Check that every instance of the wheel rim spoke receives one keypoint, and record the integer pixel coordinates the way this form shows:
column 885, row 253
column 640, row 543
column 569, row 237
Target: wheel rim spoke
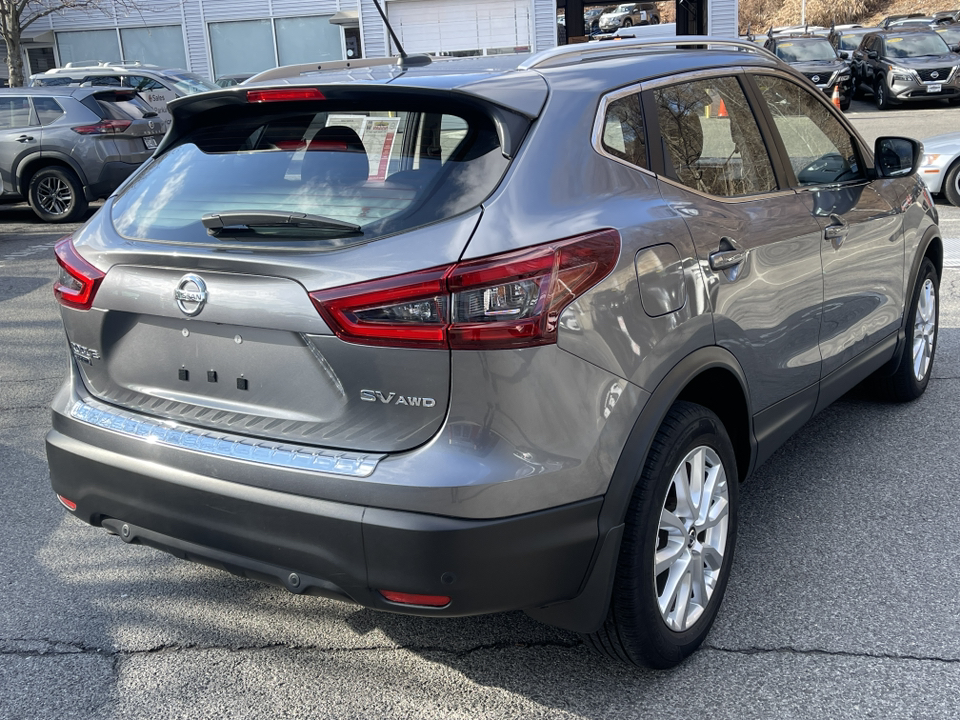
column 54, row 195
column 691, row 538
column 924, row 329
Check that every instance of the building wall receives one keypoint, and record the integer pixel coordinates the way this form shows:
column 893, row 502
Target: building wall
column 722, row 18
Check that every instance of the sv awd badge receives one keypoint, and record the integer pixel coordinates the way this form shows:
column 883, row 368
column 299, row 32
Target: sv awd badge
column 374, row 395
column 191, row 294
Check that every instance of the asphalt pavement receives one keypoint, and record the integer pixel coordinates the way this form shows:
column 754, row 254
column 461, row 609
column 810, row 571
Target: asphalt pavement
column 844, row 601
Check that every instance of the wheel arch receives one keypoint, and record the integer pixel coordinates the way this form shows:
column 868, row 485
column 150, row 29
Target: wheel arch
column 709, row 376
column 28, row 169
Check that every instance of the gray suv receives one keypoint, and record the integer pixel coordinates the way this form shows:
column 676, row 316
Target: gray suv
column 62, row 147
column 487, row 334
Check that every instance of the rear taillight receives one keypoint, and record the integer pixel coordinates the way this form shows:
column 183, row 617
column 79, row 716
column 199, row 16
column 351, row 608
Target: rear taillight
column 78, row 280
column 105, row 127
column 506, row 301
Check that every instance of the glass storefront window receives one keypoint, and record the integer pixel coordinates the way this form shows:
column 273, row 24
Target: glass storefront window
column 307, row 39
column 243, row 46
column 161, row 46
column 89, row 46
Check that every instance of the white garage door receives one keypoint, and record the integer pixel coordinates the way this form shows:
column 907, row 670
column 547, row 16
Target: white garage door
column 462, row 27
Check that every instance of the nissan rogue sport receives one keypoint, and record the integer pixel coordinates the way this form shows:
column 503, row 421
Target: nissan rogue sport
column 487, row 334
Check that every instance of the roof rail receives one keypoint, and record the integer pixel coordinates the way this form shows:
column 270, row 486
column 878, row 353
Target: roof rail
column 292, row 71
column 569, row 54
column 79, row 64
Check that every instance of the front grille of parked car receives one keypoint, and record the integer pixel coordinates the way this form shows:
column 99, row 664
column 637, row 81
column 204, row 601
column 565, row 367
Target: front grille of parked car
column 822, row 78
column 928, row 75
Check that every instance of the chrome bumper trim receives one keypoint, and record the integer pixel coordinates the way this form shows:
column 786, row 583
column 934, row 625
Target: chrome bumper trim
column 234, row 447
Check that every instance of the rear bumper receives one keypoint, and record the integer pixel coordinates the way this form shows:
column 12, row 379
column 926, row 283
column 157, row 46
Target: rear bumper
column 111, row 176
column 337, row 550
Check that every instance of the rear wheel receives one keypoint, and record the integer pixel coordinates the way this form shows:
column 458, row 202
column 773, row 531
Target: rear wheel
column 677, row 546
column 910, row 379
column 56, row 195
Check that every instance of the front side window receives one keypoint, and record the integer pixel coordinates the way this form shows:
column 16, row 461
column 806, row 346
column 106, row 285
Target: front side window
column 712, row 141
column 359, row 173
column 623, row 135
column 15, row 112
column 820, row 148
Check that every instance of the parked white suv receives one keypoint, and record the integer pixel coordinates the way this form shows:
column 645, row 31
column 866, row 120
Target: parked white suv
column 156, row 85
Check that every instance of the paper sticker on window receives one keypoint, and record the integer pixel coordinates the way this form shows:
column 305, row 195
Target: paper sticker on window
column 893, row 40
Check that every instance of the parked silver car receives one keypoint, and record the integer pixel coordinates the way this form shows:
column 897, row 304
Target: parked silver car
column 628, row 15
column 940, row 170
column 61, row 147
column 481, row 335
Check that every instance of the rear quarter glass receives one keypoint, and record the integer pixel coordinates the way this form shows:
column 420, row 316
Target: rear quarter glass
column 383, row 168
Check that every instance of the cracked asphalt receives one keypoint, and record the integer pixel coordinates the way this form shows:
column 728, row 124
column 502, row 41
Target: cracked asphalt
column 844, row 600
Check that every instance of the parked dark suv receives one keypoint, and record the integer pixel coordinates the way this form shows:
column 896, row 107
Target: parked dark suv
column 906, row 65
column 490, row 333
column 818, row 61
column 61, row 147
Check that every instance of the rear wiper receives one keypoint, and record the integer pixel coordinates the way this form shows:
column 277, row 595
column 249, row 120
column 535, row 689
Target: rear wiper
column 250, row 220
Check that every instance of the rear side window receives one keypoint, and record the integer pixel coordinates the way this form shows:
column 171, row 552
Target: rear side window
column 712, row 141
column 48, row 109
column 15, row 113
column 623, row 131
column 379, row 169
column 141, row 84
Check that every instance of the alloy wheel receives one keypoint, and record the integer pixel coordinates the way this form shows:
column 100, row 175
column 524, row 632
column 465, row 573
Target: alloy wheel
column 924, row 329
column 691, row 538
column 54, row 195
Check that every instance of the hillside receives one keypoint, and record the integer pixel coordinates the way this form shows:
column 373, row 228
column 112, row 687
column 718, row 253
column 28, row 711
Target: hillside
column 761, row 14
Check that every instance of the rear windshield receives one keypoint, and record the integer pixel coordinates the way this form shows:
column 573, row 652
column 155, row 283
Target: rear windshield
column 380, row 170
column 122, row 106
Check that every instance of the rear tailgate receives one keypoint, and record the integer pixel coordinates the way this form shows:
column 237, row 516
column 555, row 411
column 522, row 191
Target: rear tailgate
column 215, row 326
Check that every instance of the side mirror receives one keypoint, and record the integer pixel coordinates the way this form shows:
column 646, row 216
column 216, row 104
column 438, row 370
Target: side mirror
column 872, row 54
column 897, row 156
column 844, row 55
column 955, row 48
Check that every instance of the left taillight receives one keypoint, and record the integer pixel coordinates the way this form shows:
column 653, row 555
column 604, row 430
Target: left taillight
column 504, row 301
column 78, row 280
column 105, row 127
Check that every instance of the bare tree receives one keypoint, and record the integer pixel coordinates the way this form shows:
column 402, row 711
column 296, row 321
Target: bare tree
column 17, row 15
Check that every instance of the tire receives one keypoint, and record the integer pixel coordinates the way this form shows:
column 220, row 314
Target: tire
column 654, row 20
column 56, row 195
column 636, row 630
column 881, row 96
column 845, row 105
column 627, row 23
column 910, row 379
column 951, row 185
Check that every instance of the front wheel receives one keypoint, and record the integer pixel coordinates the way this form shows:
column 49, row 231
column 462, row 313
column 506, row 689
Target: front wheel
column 627, row 23
column 881, row 95
column 910, row 379
column 56, row 195
column 951, row 185
column 678, row 544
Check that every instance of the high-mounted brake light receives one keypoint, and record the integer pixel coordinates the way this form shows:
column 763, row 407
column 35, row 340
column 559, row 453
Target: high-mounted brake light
column 284, row 95
column 105, row 127
column 505, row 301
column 78, row 280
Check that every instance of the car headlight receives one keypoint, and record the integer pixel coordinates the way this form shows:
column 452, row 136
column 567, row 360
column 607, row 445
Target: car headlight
column 930, row 158
column 898, row 73
column 843, row 74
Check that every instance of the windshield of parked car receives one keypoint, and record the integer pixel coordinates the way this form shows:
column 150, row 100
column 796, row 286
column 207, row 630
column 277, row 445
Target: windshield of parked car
column 950, row 34
column 624, row 8
column 188, row 83
column 806, row 51
column 915, row 45
column 851, row 41
column 382, row 168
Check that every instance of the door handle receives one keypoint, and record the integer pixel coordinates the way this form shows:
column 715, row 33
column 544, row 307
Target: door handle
column 25, row 138
column 729, row 255
column 836, row 232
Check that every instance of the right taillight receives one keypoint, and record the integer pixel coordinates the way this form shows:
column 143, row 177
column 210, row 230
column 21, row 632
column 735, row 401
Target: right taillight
column 78, row 280
column 505, row 301
column 106, row 127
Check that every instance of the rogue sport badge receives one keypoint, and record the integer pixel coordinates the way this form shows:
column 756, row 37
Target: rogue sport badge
column 191, row 294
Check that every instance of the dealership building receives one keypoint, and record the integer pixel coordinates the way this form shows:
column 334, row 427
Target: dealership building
column 214, row 38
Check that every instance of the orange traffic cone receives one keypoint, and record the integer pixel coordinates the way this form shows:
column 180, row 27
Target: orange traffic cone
column 836, row 96
column 721, row 109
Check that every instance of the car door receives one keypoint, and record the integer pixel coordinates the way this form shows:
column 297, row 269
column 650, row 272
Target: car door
column 758, row 246
column 20, row 136
column 862, row 247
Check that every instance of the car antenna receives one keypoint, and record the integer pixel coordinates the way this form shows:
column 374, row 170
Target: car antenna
column 405, row 60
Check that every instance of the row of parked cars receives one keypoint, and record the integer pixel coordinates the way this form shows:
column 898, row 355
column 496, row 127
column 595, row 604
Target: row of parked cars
column 608, row 18
column 907, row 58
